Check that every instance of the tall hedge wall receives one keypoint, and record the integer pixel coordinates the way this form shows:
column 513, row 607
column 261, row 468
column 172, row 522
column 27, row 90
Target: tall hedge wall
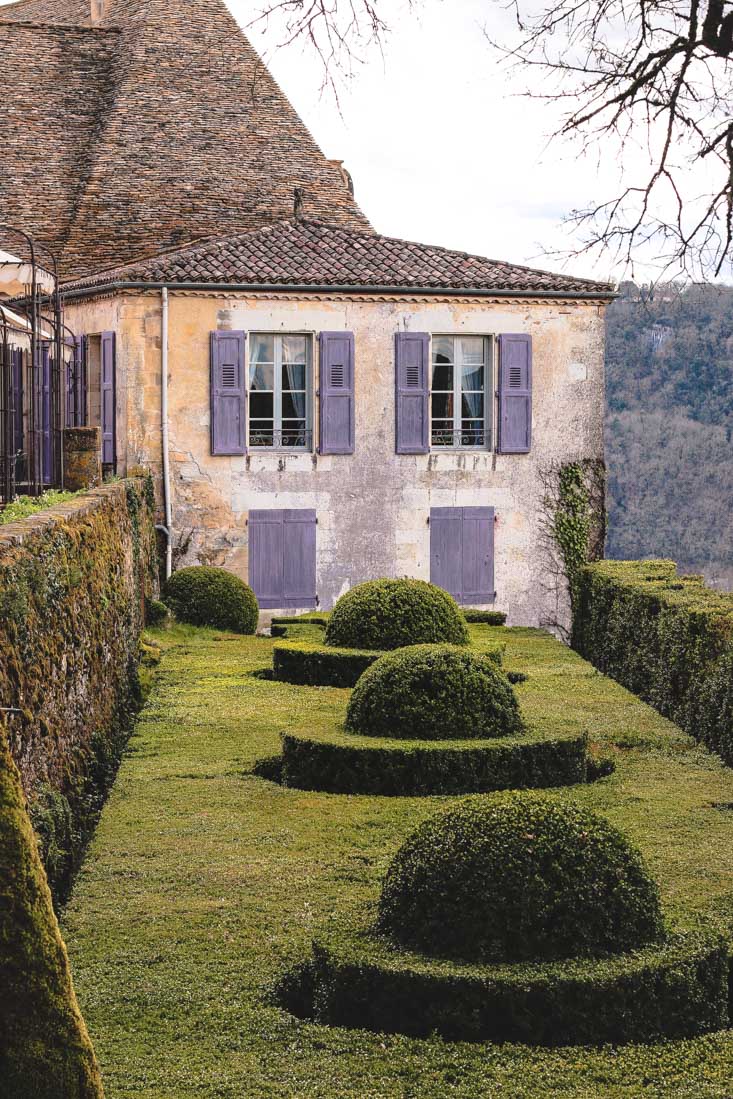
column 667, row 638
column 73, row 581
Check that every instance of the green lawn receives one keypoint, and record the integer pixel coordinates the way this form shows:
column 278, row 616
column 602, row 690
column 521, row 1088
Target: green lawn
column 203, row 882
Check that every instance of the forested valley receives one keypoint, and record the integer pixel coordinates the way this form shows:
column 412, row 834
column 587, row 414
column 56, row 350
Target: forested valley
column 669, row 423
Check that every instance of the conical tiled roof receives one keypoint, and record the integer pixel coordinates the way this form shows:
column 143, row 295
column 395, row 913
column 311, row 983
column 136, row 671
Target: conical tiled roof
column 157, row 126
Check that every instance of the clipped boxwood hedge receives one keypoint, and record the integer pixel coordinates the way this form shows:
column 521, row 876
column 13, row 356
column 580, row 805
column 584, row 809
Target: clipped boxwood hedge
column 355, row 979
column 484, row 618
column 344, row 763
column 389, row 614
column 434, row 692
column 519, row 878
column 311, row 665
column 205, row 596
column 667, row 638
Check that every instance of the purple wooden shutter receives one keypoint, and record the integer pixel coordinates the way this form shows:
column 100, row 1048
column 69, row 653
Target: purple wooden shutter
column 46, row 434
column 462, row 553
column 412, row 396
column 515, row 394
column 337, row 393
column 80, row 381
column 477, row 557
column 299, row 558
column 108, row 399
column 446, row 534
column 17, row 399
column 228, row 393
column 282, row 558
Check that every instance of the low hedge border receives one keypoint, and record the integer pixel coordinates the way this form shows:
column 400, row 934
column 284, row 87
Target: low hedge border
column 306, row 663
column 344, row 763
column 485, row 618
column 300, row 620
column 356, row 979
column 311, row 665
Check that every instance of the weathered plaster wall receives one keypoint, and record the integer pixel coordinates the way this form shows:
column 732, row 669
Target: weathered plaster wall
column 372, row 506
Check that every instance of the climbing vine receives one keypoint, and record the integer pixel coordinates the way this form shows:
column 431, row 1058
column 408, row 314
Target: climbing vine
column 574, row 526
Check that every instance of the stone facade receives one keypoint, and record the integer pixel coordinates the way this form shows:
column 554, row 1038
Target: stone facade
column 372, row 506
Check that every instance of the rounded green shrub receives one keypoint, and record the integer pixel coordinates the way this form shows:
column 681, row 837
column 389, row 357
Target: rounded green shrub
column 156, row 612
column 518, row 878
column 205, row 596
column 434, row 692
column 388, row 614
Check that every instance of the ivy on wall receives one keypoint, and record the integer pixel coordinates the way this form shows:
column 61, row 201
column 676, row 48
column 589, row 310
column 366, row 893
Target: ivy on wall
column 73, row 582
column 573, row 525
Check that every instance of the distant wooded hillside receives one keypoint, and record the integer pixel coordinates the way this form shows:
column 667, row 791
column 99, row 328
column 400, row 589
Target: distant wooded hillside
column 669, row 384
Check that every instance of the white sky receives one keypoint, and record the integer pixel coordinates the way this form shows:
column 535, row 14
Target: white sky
column 441, row 146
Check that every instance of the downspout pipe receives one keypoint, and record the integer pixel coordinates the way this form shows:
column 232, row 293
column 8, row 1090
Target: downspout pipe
column 166, row 529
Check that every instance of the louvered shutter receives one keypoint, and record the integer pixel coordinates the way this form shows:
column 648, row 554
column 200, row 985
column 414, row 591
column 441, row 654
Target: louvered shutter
column 462, row 553
column 17, row 400
column 412, row 392
column 228, row 393
column 108, row 399
column 46, row 425
column 515, row 394
column 282, row 558
column 336, row 393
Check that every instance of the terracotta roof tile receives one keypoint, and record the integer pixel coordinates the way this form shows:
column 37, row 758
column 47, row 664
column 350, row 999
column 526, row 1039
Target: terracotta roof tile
column 314, row 255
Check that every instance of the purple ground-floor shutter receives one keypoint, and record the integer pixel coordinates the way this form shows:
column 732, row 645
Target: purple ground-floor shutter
column 282, row 558
column 462, row 553
column 109, row 440
column 80, row 381
column 46, row 416
column 17, row 400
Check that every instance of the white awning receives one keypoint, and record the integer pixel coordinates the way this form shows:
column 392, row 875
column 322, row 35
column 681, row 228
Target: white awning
column 16, row 277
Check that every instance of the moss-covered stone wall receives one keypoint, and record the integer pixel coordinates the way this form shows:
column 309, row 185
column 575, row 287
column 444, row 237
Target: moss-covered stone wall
column 73, row 583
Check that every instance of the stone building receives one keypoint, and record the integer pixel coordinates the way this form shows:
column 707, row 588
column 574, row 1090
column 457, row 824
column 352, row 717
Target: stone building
column 321, row 404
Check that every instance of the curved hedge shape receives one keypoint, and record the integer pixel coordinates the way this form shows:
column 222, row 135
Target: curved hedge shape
column 677, row 990
column 205, row 596
column 45, row 1048
column 484, row 618
column 434, row 692
column 343, row 763
column 309, row 664
column 389, row 614
column 520, row 878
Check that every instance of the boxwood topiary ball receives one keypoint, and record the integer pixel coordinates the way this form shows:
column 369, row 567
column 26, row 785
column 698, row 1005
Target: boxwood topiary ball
column 207, row 596
column 518, row 878
column 433, row 692
column 387, row 614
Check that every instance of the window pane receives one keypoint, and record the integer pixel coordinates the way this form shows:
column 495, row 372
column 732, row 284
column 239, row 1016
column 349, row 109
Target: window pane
column 443, row 349
column 261, row 377
column 472, row 433
column 261, row 434
column 294, row 376
column 472, row 377
column 293, row 433
column 261, row 406
column 472, row 405
column 472, row 350
column 293, row 406
column 442, row 376
column 294, row 349
column 441, row 433
column 442, row 406
column 263, row 349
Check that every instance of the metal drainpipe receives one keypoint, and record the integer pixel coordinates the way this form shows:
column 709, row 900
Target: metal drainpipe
column 164, row 425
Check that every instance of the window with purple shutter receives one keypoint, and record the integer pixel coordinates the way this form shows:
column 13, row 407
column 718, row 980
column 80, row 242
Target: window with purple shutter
column 515, row 394
column 412, row 392
column 17, row 400
column 45, row 407
column 336, row 393
column 228, row 393
column 80, row 381
column 109, row 440
column 282, row 558
column 462, row 553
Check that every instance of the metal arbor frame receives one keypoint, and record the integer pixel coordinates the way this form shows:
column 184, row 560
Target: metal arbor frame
column 32, row 406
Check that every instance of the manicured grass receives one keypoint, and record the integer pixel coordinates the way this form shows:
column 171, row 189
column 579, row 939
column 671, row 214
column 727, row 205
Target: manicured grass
column 204, row 882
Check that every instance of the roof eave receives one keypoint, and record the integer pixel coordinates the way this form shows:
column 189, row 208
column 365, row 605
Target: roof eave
column 314, row 288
